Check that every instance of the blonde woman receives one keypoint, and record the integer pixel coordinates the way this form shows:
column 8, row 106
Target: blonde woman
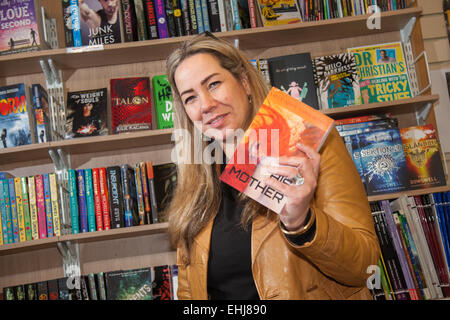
column 229, row 246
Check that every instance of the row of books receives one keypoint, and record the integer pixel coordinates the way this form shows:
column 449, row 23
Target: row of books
column 414, row 239
column 391, row 159
column 27, row 115
column 151, row 283
column 99, row 199
column 368, row 74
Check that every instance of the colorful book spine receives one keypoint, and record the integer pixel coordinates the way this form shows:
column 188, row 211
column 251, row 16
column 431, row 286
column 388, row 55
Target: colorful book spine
column 170, row 19
column 146, row 194
column 139, row 193
column 48, row 206
column 76, row 23
column 14, row 217
column 104, row 198
column 115, row 196
column 252, row 13
column 90, row 200
column 141, row 21
column 101, row 285
column 3, row 216
column 19, row 206
column 6, row 211
column 160, row 11
column 97, row 198
column 33, row 208
column 82, row 208
column 127, row 199
column 193, row 16
column 222, row 15
column 152, row 25
column 40, row 202
column 178, row 17
column 55, row 204
column 235, row 12
column 73, row 198
column 26, row 207
column 199, row 15
column 205, row 16
column 151, row 188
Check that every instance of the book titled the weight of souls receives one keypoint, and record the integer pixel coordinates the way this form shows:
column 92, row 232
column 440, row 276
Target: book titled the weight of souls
column 280, row 124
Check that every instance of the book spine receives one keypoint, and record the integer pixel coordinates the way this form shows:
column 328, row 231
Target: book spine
column 101, row 285
column 178, row 17
column 252, row 13
column 82, row 208
column 170, row 19
column 55, row 204
column 76, row 23
column 160, row 11
column 152, row 27
column 263, row 67
column 90, row 200
column 92, row 287
column 68, row 33
column 213, row 15
column 105, row 199
column 73, row 197
column 13, row 203
column 19, row 206
column 193, row 17
column 205, row 16
column 40, row 202
column 128, row 215
column 146, row 194
column 4, row 214
column 128, row 20
column 115, row 197
column 151, row 188
column 33, row 208
column 436, row 201
column 222, row 15
column 26, row 207
column 48, row 206
column 97, row 198
column 139, row 193
column 199, row 15
column 235, row 12
column 140, row 19
column 186, row 20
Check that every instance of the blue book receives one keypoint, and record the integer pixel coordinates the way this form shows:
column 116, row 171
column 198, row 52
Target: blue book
column 73, row 196
column 14, row 213
column 198, row 12
column 440, row 214
column 82, row 209
column 76, row 23
column 352, row 145
column 205, row 17
column 48, row 206
column 383, row 161
column 236, row 19
column 355, row 128
column 40, row 113
column 5, row 212
column 446, row 210
column 90, row 205
column 129, row 196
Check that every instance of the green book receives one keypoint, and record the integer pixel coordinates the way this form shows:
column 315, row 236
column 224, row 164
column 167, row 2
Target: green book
column 90, row 200
column 162, row 96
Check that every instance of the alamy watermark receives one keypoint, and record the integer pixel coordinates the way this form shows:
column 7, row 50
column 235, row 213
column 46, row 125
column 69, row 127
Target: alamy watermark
column 374, row 20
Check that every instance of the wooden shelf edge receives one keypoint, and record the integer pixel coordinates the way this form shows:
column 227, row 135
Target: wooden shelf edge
column 390, row 196
column 87, row 237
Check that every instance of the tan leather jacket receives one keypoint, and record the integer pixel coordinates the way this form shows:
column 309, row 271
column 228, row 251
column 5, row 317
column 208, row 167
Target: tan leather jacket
column 332, row 266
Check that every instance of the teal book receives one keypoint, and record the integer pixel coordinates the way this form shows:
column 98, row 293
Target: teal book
column 90, row 205
column 14, row 213
column 129, row 285
column 48, row 205
column 5, row 208
column 73, row 201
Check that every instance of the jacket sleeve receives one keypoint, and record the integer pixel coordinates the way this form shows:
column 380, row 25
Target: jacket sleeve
column 184, row 292
column 345, row 243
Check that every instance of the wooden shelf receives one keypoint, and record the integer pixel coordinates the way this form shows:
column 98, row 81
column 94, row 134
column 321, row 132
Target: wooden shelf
column 396, row 195
column 87, row 145
column 255, row 38
column 395, row 107
column 87, row 237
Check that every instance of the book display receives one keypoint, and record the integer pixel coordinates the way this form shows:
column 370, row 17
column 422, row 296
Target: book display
column 119, row 227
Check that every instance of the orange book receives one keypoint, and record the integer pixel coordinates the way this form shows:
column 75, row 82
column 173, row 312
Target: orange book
column 281, row 122
column 104, row 196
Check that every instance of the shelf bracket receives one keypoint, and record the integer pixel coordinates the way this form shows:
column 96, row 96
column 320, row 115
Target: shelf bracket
column 71, row 263
column 406, row 31
column 422, row 114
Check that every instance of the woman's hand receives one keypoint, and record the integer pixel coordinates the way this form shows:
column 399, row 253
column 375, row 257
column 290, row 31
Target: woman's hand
column 298, row 197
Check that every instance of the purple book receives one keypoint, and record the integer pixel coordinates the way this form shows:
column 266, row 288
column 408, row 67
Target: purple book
column 82, row 207
column 48, row 205
column 160, row 11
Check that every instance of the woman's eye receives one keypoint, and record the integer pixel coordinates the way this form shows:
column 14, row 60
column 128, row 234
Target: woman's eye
column 188, row 99
column 214, row 84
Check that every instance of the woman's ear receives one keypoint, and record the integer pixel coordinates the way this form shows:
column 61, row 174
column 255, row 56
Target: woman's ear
column 246, row 83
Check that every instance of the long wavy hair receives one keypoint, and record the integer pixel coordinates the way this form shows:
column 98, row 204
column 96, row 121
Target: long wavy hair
column 198, row 194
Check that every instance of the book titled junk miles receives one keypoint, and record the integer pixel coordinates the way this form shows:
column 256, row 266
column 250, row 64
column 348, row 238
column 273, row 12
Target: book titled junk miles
column 280, row 124
column 131, row 106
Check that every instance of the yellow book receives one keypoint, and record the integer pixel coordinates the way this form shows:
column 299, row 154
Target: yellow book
column 19, row 205
column 353, row 9
column 33, row 208
column 55, row 204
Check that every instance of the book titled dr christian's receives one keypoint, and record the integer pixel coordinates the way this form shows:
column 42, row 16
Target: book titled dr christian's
column 281, row 122
column 131, row 105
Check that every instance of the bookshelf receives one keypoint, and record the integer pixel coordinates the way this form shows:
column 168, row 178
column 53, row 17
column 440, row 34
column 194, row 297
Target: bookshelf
column 88, row 68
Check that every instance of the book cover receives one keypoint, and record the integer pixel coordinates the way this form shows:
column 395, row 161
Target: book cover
column 92, row 285
column 162, row 287
column 100, row 277
column 205, row 15
column 367, row 126
column 294, row 75
column 8, row 293
column 30, row 291
column 139, row 194
column 185, row 17
column 72, row 24
column 423, row 156
column 382, row 72
column 73, row 197
column 104, row 198
column 114, row 179
column 97, row 198
column 383, row 161
column 63, row 290
column 41, row 114
column 279, row 12
column 145, row 193
column 5, row 206
column 53, row 293
column 165, row 183
column 236, row 21
column 141, row 23
column 199, row 15
column 129, row 284
column 33, row 208
column 42, row 290
column 129, row 20
column 170, row 18
column 337, row 80
column 152, row 25
column 152, row 191
column 100, row 22
column 193, row 16
column 14, row 212
column 352, row 144
column 178, row 17
column 214, row 15
column 131, row 104
column 48, row 205
column 19, row 206
column 19, row 292
column 54, row 198
column 160, row 10
column 130, row 201
column 82, row 205
column 21, row 26
column 90, row 200
column 14, row 117
column 281, row 122
column 162, row 97
column 86, row 113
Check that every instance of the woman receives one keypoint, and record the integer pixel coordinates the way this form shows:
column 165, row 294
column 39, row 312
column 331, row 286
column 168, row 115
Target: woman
column 229, row 246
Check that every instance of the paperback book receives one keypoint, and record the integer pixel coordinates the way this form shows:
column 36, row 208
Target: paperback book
column 129, row 285
column 279, row 12
column 162, row 95
column 280, row 124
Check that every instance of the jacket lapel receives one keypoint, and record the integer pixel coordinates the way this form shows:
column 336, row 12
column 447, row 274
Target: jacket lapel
column 261, row 229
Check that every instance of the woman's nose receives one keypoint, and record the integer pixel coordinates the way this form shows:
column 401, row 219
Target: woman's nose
column 208, row 102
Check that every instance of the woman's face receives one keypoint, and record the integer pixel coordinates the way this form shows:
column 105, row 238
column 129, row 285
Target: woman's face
column 215, row 101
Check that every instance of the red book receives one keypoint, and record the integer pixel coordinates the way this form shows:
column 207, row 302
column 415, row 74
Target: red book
column 131, row 106
column 104, row 196
column 152, row 27
column 97, row 199
column 40, row 203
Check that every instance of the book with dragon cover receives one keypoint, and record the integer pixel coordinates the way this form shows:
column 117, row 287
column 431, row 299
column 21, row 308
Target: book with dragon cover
column 423, row 157
column 280, row 124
